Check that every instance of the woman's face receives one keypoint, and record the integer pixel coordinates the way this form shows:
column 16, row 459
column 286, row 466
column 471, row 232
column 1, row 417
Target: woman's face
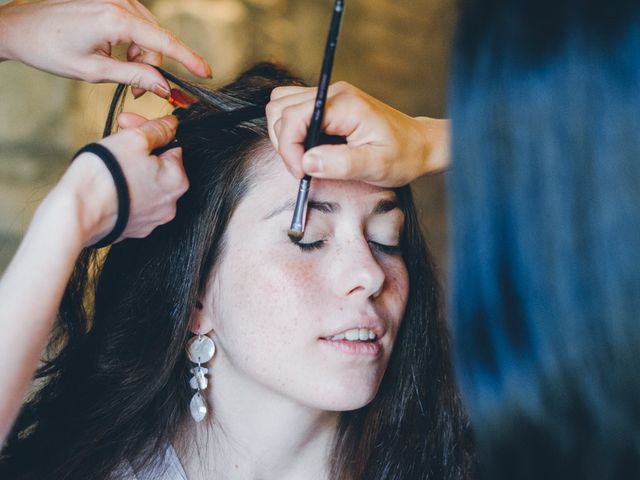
column 315, row 321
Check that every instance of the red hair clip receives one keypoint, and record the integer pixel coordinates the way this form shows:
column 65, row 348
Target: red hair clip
column 180, row 99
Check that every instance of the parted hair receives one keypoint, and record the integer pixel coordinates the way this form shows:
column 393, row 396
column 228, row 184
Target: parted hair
column 545, row 200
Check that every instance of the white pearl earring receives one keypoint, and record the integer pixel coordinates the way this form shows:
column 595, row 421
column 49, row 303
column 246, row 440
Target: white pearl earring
column 200, row 349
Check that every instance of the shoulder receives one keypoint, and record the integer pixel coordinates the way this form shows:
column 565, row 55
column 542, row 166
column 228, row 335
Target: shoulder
column 124, row 471
column 167, row 467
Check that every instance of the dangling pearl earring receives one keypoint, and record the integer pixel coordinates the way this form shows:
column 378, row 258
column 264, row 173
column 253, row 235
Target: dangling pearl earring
column 200, row 350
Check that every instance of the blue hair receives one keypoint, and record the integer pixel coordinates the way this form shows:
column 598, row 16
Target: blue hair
column 545, row 195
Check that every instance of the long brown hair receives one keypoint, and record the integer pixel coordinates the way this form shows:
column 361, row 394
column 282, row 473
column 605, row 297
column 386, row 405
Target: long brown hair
column 115, row 393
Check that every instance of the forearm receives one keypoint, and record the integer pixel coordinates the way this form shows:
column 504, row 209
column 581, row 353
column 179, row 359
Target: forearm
column 30, row 293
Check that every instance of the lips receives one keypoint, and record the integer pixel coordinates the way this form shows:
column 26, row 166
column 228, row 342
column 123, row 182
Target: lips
column 368, row 349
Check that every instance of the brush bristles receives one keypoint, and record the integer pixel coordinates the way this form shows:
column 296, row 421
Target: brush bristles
column 295, row 235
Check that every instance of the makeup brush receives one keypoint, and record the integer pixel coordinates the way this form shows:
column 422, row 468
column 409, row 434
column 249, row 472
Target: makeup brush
column 296, row 231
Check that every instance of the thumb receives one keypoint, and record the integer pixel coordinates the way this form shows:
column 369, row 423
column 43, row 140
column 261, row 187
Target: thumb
column 342, row 162
column 130, row 120
column 134, row 74
column 159, row 131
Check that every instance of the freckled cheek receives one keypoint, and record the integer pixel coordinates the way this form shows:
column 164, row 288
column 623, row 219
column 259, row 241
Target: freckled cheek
column 273, row 289
column 285, row 274
column 272, row 304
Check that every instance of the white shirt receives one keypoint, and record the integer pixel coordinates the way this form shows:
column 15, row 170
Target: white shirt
column 168, row 467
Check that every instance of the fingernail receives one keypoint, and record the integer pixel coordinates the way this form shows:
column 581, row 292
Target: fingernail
column 161, row 90
column 311, row 164
column 209, row 71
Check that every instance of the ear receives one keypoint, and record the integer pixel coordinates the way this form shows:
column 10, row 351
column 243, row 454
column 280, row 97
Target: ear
column 203, row 314
column 201, row 317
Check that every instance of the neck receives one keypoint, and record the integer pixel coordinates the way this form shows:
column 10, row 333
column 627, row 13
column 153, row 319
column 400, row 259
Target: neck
column 252, row 432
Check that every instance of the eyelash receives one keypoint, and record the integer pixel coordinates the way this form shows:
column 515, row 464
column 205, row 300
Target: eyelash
column 386, row 249
column 308, row 247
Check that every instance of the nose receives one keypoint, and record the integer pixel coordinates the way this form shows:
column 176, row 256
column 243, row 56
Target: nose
column 356, row 271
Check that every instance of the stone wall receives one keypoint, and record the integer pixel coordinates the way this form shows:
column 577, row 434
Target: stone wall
column 395, row 50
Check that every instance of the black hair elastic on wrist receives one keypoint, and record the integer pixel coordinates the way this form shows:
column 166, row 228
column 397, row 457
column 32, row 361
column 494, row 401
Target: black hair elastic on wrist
column 121, row 188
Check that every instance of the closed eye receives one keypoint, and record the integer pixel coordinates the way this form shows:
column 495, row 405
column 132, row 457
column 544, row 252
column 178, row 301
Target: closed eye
column 308, row 247
column 380, row 247
column 386, row 249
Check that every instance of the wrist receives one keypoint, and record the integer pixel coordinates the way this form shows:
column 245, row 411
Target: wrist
column 87, row 195
column 434, row 144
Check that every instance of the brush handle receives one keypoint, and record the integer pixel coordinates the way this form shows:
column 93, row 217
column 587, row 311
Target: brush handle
column 315, row 127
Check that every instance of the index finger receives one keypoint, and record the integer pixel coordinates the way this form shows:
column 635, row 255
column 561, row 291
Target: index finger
column 277, row 104
column 155, row 38
column 280, row 92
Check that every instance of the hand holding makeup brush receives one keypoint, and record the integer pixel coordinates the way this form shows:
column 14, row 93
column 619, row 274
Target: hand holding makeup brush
column 74, row 39
column 384, row 146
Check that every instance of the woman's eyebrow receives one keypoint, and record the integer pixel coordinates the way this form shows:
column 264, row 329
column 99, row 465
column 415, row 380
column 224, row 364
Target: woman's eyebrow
column 324, row 207
column 385, row 205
